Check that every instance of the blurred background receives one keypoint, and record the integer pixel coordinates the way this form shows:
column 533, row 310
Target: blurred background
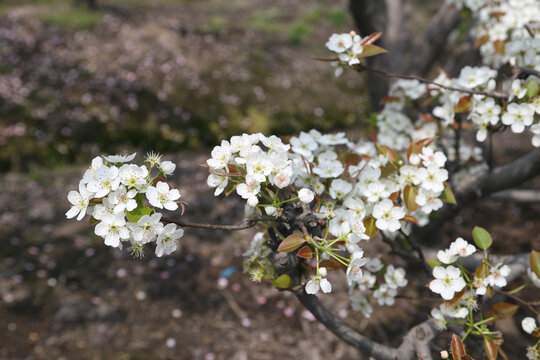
column 84, row 78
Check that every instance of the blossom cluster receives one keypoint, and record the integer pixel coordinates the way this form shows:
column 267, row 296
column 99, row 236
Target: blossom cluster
column 113, row 191
column 354, row 188
column 506, row 31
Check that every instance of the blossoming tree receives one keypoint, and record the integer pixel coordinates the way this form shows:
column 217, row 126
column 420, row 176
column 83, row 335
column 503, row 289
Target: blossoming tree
column 318, row 199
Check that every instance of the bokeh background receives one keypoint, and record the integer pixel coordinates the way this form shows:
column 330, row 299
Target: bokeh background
column 174, row 76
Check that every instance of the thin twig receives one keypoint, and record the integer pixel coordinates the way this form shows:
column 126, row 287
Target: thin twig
column 248, row 224
column 519, row 300
column 493, row 94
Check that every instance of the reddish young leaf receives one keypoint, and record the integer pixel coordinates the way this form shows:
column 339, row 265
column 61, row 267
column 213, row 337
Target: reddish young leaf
column 491, row 348
column 409, row 196
column 394, row 196
column 464, row 104
column 388, row 99
column 371, row 38
column 534, row 260
column 455, row 299
column 371, row 229
column 427, row 118
column 481, row 41
column 291, row 243
column 305, row 252
column 331, row 264
column 410, row 218
column 386, row 150
column 458, row 350
column 499, row 46
column 502, row 311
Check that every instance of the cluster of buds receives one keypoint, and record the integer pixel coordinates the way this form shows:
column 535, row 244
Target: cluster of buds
column 113, row 192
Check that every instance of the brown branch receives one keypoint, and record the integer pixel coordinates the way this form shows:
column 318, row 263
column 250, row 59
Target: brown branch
column 518, row 195
column 248, row 224
column 493, row 94
column 415, row 341
column 528, row 71
column 430, row 47
column 498, row 179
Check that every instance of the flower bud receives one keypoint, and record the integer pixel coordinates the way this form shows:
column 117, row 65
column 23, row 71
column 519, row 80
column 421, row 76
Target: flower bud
column 528, row 324
column 306, row 195
column 270, row 210
column 252, row 201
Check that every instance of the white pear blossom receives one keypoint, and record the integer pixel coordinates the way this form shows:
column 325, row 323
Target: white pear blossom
column 133, row 176
column 388, row 215
column 339, row 189
column 462, row 248
column 123, row 200
column 167, row 167
column 361, row 304
column 147, row 228
column 395, row 277
column 217, row 181
column 105, row 180
column 518, row 116
column 385, row 295
column 162, row 196
column 354, row 271
column 220, row 156
column 248, row 189
column 79, row 201
column 120, row 158
column 498, row 274
column 319, row 282
column 167, row 241
column 113, row 229
column 447, row 281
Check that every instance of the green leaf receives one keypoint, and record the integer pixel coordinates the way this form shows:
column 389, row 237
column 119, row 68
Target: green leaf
column 532, row 88
column 502, row 311
column 534, row 260
column 371, row 50
column 282, row 282
column 409, row 196
column 137, row 213
column 369, row 224
column 482, row 238
column 291, row 243
column 434, row 262
column 447, row 195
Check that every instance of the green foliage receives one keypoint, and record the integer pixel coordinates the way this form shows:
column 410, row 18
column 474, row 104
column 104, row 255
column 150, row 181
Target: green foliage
column 298, row 32
column 268, row 21
column 72, row 17
column 215, row 24
column 338, row 17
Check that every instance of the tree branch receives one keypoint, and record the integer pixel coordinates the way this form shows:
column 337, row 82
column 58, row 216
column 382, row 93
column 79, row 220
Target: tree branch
column 248, row 224
column 501, row 178
column 415, row 341
column 493, row 94
column 430, row 47
column 518, row 195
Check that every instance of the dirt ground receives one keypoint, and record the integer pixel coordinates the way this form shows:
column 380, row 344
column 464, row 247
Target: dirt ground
column 65, row 295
